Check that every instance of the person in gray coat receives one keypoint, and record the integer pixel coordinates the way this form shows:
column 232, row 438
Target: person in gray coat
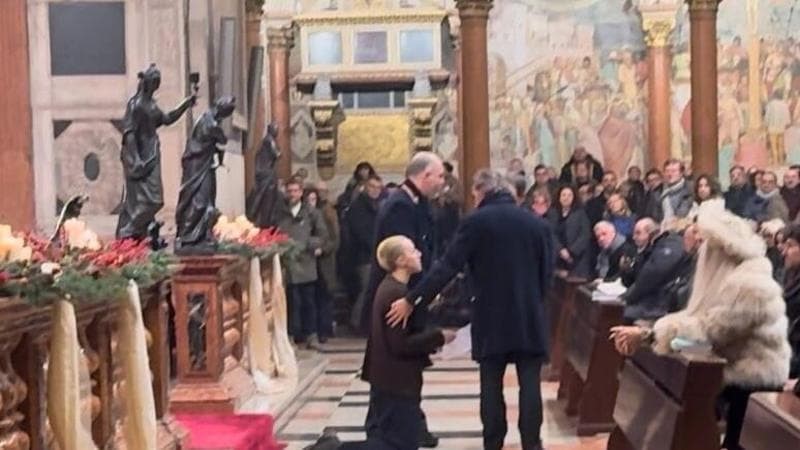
column 677, row 199
column 306, row 227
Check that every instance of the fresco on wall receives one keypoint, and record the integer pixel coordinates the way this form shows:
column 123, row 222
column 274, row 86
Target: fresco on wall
column 759, row 104
column 578, row 80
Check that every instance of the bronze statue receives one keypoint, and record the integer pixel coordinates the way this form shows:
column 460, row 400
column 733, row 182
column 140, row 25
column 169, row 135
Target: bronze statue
column 265, row 199
column 141, row 155
column 197, row 212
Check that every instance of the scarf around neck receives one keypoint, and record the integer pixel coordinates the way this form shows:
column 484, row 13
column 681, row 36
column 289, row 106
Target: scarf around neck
column 763, row 195
column 670, row 190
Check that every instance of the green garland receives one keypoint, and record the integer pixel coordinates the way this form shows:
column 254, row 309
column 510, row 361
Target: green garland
column 286, row 249
column 80, row 284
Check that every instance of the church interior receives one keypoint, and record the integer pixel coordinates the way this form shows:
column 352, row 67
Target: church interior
column 154, row 297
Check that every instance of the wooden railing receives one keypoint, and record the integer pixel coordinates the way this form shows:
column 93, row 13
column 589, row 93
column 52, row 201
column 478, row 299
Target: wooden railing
column 559, row 311
column 667, row 402
column 24, row 338
column 25, row 333
column 590, row 372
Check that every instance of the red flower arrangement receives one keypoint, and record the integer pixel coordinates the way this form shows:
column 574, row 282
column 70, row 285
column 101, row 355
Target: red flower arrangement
column 118, row 254
column 267, row 237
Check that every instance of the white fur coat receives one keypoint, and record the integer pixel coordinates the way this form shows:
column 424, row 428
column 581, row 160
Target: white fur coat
column 735, row 305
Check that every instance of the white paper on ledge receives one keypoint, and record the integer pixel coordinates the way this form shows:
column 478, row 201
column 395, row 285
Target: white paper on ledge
column 608, row 291
column 460, row 346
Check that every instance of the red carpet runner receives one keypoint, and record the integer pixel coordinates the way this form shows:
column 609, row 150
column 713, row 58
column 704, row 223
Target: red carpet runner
column 229, row 432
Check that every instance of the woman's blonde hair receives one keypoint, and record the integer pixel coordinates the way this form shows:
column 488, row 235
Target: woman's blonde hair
column 389, row 250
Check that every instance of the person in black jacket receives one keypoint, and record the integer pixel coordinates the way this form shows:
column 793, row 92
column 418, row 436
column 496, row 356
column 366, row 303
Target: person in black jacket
column 541, row 181
column 739, row 192
column 360, row 220
column 596, row 207
column 569, row 173
column 407, row 212
column 634, row 191
column 574, row 233
column 652, row 197
column 508, row 254
column 645, row 301
column 613, row 248
column 791, row 293
column 644, row 233
column 397, row 358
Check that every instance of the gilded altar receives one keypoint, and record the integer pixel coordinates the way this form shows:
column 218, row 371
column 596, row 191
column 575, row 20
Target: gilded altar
column 386, row 69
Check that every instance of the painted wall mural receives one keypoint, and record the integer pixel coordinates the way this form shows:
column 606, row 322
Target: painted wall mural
column 578, row 79
column 759, row 84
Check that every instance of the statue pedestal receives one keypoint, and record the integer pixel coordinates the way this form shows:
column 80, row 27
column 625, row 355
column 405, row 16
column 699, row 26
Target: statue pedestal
column 210, row 313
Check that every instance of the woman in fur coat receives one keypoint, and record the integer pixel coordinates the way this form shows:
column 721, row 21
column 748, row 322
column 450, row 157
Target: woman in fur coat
column 736, row 307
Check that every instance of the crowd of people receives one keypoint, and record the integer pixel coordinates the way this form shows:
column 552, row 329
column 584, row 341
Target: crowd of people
column 678, row 243
column 338, row 242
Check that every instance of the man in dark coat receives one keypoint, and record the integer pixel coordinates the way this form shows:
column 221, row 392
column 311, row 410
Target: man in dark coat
column 541, row 182
column 613, row 248
column 508, row 252
column 652, row 197
column 361, row 218
column 791, row 191
column 739, row 192
column 581, row 157
column 644, row 233
column 596, row 207
column 646, row 300
column 407, row 212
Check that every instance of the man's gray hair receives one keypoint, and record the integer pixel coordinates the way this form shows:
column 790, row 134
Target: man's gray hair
column 420, row 162
column 487, row 180
column 649, row 225
column 604, row 224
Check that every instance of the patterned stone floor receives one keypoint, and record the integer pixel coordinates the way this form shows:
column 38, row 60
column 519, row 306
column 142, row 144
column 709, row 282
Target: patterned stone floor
column 450, row 400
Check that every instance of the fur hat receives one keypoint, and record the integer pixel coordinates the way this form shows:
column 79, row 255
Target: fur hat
column 723, row 229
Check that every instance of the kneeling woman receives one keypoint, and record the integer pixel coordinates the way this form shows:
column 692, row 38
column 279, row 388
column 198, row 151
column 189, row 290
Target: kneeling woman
column 735, row 307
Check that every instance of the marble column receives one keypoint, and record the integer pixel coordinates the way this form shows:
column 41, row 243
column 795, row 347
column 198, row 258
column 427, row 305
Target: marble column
column 279, row 45
column 474, row 15
column 659, row 59
column 705, row 128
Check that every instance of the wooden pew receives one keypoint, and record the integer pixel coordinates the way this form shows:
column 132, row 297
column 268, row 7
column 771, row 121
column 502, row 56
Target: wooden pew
column 559, row 310
column 772, row 422
column 592, row 364
column 667, row 402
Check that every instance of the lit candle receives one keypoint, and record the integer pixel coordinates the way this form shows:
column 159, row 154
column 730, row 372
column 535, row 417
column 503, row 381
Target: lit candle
column 74, row 228
column 5, row 247
column 20, row 255
column 5, row 231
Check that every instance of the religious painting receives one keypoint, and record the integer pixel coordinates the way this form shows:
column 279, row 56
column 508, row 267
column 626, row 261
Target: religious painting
column 759, row 85
column 370, row 47
column 564, row 74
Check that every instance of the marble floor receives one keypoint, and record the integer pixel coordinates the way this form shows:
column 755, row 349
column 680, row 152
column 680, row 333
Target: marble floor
column 450, row 399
